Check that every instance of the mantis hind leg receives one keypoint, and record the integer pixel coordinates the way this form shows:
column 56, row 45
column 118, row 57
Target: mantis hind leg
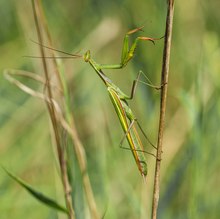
column 145, row 135
column 126, row 133
column 146, row 152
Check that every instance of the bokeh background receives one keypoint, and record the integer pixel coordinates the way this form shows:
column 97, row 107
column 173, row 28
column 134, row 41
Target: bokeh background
column 190, row 166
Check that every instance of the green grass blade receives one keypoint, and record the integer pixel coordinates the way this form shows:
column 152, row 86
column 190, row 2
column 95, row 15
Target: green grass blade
column 37, row 195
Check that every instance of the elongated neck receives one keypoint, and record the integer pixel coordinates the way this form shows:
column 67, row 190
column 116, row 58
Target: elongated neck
column 99, row 71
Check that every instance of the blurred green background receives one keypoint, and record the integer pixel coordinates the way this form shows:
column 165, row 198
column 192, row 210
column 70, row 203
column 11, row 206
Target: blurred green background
column 190, row 166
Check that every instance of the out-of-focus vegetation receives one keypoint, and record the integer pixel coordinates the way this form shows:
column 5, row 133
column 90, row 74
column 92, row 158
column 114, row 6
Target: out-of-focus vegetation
column 190, row 166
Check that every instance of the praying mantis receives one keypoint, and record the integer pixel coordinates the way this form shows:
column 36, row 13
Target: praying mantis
column 119, row 99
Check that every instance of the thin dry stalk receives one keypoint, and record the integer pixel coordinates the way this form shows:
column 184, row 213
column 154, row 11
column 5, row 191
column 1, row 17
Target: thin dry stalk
column 164, row 81
column 71, row 128
column 60, row 151
column 46, row 29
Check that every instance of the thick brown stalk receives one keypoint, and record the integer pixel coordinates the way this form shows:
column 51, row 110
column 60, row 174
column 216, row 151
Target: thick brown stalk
column 164, row 81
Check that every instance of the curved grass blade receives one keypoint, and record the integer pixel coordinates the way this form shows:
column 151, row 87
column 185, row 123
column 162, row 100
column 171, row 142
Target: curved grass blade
column 36, row 194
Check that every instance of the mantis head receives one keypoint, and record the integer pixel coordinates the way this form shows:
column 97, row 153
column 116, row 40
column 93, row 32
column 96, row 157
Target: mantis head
column 87, row 56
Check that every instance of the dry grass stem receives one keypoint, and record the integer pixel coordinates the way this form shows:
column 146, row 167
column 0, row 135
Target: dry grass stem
column 51, row 109
column 164, row 81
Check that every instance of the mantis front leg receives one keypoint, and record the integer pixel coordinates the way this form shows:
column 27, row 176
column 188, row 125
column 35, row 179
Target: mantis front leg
column 127, row 52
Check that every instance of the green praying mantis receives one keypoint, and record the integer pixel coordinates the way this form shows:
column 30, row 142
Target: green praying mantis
column 119, row 99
